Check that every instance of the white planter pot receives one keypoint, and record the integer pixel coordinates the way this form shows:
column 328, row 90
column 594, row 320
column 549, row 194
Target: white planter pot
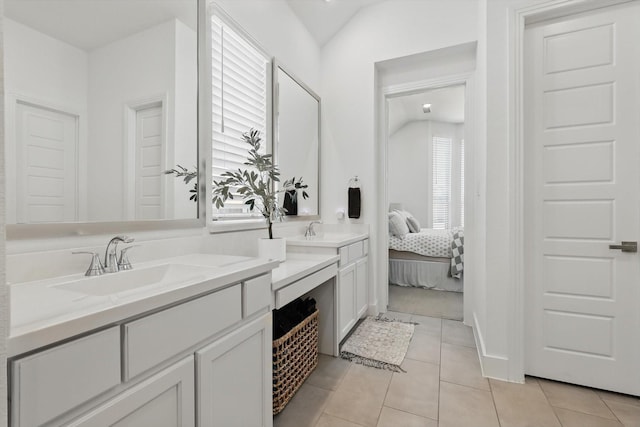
column 275, row 249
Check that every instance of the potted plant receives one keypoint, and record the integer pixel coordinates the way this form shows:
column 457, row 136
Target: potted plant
column 256, row 186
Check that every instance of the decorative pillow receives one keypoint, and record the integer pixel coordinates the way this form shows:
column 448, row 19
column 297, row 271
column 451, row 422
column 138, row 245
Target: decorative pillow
column 397, row 225
column 412, row 222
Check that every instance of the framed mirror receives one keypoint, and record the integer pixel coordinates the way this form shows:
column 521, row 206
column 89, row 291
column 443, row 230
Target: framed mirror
column 296, row 141
column 101, row 98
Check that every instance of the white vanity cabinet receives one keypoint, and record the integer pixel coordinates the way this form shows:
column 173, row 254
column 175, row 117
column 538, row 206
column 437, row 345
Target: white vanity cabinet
column 352, row 284
column 164, row 400
column 203, row 361
column 353, row 295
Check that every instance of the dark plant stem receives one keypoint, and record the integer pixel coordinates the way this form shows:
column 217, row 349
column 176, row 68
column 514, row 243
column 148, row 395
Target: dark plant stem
column 270, row 230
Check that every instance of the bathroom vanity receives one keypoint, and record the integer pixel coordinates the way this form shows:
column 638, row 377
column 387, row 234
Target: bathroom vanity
column 352, row 252
column 186, row 348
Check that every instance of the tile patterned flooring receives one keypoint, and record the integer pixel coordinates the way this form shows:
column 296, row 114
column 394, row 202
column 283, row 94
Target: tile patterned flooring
column 443, row 386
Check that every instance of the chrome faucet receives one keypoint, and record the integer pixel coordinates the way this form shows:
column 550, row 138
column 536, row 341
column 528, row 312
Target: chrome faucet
column 310, row 231
column 110, row 257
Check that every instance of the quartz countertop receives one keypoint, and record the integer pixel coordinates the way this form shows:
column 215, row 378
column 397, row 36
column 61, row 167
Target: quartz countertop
column 327, row 240
column 298, row 266
column 43, row 313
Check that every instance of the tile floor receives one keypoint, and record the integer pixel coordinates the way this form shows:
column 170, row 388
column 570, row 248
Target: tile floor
column 426, row 302
column 443, row 387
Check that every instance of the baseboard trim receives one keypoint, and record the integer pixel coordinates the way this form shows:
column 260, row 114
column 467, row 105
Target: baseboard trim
column 492, row 366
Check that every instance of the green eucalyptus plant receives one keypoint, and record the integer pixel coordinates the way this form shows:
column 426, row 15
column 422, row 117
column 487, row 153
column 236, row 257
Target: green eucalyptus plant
column 256, row 184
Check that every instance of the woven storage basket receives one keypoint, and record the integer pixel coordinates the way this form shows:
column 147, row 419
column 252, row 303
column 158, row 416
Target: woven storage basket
column 295, row 356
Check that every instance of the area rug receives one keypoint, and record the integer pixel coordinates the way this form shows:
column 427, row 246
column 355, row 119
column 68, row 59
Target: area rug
column 379, row 342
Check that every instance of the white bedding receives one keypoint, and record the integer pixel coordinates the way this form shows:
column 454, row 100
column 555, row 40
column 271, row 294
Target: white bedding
column 428, row 242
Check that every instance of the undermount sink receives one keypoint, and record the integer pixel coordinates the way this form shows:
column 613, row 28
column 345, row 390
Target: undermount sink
column 131, row 280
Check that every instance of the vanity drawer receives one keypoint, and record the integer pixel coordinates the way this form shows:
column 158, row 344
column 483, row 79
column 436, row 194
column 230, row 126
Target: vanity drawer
column 50, row 383
column 256, row 294
column 351, row 252
column 304, row 285
column 158, row 337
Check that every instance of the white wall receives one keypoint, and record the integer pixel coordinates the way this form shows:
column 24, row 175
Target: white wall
column 4, row 289
column 46, row 71
column 410, row 171
column 391, row 29
column 410, row 158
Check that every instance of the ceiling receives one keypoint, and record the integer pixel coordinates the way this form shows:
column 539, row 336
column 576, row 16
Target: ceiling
column 88, row 24
column 447, row 105
column 323, row 18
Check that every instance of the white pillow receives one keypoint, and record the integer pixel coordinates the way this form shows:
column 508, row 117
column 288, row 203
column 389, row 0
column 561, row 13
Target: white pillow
column 412, row 222
column 397, row 225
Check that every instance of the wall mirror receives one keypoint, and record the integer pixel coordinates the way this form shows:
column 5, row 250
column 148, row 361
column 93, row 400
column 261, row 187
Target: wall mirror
column 101, row 97
column 296, row 140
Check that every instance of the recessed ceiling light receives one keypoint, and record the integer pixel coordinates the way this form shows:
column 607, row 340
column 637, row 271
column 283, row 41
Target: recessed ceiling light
column 426, row 108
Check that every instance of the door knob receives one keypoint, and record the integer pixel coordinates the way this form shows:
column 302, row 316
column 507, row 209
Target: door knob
column 626, row 247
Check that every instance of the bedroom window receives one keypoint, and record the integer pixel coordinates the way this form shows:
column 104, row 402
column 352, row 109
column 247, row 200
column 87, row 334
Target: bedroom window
column 239, row 103
column 441, row 182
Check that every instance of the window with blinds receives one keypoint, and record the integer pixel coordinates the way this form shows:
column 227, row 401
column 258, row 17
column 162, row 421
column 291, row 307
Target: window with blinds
column 441, row 182
column 462, row 183
column 239, row 103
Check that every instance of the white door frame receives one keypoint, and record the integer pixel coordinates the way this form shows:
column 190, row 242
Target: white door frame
column 11, row 147
column 382, row 225
column 518, row 19
column 131, row 109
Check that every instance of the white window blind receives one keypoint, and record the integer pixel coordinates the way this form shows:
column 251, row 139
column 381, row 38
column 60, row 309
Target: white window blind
column 239, row 86
column 441, row 182
column 462, row 183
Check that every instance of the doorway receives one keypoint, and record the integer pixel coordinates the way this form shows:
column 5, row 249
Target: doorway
column 581, row 187
column 47, row 165
column 425, row 187
column 147, row 155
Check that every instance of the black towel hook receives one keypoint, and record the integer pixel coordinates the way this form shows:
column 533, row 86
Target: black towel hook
column 355, row 201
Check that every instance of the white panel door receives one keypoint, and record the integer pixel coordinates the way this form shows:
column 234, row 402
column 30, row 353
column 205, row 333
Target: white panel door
column 47, row 165
column 150, row 163
column 582, row 192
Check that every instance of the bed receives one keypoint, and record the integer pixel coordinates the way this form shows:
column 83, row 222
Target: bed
column 428, row 259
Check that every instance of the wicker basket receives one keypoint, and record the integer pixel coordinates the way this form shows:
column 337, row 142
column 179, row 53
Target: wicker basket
column 295, row 356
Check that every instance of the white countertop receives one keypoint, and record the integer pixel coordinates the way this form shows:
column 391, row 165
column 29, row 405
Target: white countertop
column 42, row 314
column 298, row 266
column 327, row 240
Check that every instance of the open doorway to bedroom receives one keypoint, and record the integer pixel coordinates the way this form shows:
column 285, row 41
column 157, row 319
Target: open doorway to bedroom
column 425, row 188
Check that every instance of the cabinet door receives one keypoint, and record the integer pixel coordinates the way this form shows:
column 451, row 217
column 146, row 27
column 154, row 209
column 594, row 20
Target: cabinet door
column 164, row 400
column 346, row 299
column 233, row 378
column 362, row 285
column 49, row 383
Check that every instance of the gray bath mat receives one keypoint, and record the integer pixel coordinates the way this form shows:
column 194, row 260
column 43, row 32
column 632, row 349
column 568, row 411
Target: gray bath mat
column 379, row 342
